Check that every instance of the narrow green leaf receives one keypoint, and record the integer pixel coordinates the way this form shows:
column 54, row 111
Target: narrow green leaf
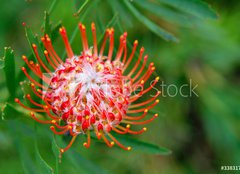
column 195, row 7
column 2, row 64
column 112, row 22
column 11, row 112
column 47, row 26
column 27, row 89
column 44, row 167
column 80, row 163
column 52, row 6
column 32, row 39
column 56, row 152
column 143, row 146
column 86, row 165
column 148, row 23
column 117, row 7
column 21, row 76
column 55, row 31
column 82, row 7
column 9, row 69
column 167, row 14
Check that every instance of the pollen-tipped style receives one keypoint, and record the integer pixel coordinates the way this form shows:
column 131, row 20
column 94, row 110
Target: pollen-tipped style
column 94, row 91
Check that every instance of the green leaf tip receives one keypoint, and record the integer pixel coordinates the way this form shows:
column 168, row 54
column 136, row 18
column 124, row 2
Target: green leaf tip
column 197, row 8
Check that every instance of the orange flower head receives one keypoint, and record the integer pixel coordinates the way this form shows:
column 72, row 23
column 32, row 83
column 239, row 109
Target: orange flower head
column 91, row 91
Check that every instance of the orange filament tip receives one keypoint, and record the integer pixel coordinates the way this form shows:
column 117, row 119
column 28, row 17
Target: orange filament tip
column 157, row 101
column 128, row 126
column 24, row 57
column 129, row 148
column 153, row 68
column 82, row 27
column 69, row 127
column 142, row 50
column 142, row 82
column 46, row 107
column 16, row 100
column 135, row 42
column 112, row 143
column 62, row 150
column 34, row 46
column 155, row 115
column 28, row 95
column 85, row 144
column 145, row 129
column 23, row 69
column 146, row 110
column 157, row 78
column 32, row 85
column 93, row 26
column 45, row 52
column 52, row 127
column 53, row 121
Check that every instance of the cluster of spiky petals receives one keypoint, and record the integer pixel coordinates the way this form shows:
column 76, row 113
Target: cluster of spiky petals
column 93, row 91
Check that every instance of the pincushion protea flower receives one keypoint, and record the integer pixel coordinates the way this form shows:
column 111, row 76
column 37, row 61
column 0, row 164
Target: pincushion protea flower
column 91, row 91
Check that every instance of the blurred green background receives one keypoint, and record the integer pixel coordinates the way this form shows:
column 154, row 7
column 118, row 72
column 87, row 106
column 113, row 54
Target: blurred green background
column 201, row 130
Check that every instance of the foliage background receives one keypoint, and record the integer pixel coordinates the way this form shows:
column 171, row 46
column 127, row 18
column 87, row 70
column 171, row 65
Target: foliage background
column 202, row 132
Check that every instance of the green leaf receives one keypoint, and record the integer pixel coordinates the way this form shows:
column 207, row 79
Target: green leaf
column 80, row 163
column 82, row 7
column 57, row 154
column 86, row 165
column 55, row 31
column 117, row 7
column 148, row 23
column 52, row 6
column 2, row 64
column 47, row 26
column 167, row 14
column 9, row 70
column 112, row 22
column 25, row 158
column 44, row 167
column 9, row 112
column 32, row 39
column 21, row 76
column 143, row 146
column 195, row 7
